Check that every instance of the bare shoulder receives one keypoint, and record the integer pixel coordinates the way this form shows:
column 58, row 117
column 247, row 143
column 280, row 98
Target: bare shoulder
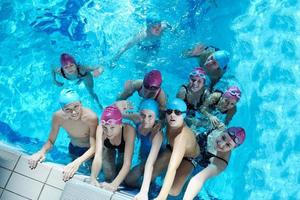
column 89, row 116
column 128, row 128
column 137, row 84
column 58, row 116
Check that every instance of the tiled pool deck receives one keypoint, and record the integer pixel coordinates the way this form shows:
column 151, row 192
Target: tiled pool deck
column 19, row 182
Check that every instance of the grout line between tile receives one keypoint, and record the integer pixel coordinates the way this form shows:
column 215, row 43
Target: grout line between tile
column 44, row 184
column 17, row 194
column 12, row 172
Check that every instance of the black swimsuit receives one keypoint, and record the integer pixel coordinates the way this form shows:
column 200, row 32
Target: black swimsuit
column 213, row 106
column 204, row 158
column 190, row 107
column 120, row 147
column 80, row 75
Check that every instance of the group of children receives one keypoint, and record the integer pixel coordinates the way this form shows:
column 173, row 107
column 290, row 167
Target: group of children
column 170, row 143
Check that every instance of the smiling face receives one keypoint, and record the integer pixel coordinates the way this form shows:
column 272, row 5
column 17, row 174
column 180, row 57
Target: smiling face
column 196, row 83
column 112, row 130
column 226, row 103
column 148, row 118
column 224, row 143
column 73, row 110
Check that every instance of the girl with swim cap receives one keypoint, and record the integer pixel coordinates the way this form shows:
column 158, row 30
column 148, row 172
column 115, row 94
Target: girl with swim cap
column 180, row 152
column 113, row 137
column 71, row 70
column 213, row 60
column 149, row 88
column 220, row 107
column 215, row 147
column 150, row 135
column 194, row 93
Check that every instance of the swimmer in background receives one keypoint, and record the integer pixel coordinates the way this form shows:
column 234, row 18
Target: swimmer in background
column 71, row 70
column 114, row 148
column 215, row 147
column 149, row 88
column 194, row 93
column 148, row 41
column 178, row 157
column 213, row 60
column 148, row 129
column 80, row 123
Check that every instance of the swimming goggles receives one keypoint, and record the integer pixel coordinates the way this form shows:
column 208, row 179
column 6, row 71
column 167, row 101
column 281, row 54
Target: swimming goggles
column 148, row 87
column 234, row 137
column 234, row 93
column 111, row 121
column 177, row 112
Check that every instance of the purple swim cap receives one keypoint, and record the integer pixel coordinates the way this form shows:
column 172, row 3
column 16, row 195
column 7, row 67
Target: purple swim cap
column 111, row 115
column 237, row 134
column 233, row 92
column 198, row 72
column 66, row 59
column 152, row 79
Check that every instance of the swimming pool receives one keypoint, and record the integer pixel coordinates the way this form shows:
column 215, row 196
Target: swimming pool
column 261, row 35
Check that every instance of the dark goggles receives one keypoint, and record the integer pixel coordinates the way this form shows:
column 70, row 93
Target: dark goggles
column 149, row 87
column 177, row 112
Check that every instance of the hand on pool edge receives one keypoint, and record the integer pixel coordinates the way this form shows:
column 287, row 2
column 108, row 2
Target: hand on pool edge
column 36, row 158
column 70, row 170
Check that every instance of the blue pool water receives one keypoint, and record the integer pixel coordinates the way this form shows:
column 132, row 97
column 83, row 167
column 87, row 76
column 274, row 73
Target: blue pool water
column 262, row 37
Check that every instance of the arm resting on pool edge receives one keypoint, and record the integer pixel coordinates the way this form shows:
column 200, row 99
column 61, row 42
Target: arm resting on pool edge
column 40, row 156
column 175, row 160
column 156, row 144
column 97, row 162
column 72, row 167
column 129, row 146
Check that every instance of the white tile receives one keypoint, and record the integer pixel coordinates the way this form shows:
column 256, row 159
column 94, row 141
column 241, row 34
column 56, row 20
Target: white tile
column 11, row 196
column 40, row 173
column 50, row 193
column 4, row 174
column 8, row 158
column 24, row 186
column 77, row 190
column 122, row 196
column 56, row 178
column 82, row 178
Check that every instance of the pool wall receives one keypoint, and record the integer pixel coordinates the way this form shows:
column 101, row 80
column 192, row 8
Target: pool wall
column 19, row 182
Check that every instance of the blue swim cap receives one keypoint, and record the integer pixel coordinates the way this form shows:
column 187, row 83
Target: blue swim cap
column 68, row 96
column 150, row 104
column 152, row 20
column 222, row 58
column 177, row 104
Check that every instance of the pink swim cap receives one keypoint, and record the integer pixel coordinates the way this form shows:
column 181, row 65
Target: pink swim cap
column 198, row 72
column 111, row 115
column 153, row 78
column 66, row 59
column 237, row 134
column 233, row 92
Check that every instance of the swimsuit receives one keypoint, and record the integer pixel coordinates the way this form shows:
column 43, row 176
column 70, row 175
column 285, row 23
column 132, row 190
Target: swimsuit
column 204, row 158
column 120, row 147
column 77, row 151
column 80, row 76
column 191, row 109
